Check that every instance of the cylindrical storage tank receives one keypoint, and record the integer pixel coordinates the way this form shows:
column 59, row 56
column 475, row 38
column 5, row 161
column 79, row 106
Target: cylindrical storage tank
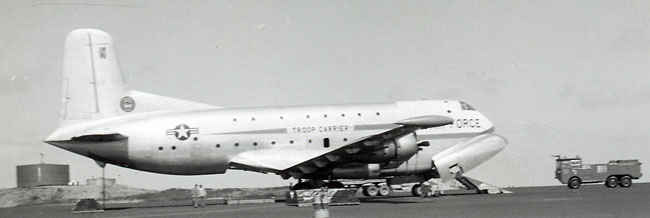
column 42, row 175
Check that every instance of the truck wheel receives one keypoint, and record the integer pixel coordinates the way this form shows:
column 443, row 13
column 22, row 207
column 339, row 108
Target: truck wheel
column 625, row 181
column 416, row 190
column 384, row 190
column 370, row 190
column 611, row 182
column 574, row 183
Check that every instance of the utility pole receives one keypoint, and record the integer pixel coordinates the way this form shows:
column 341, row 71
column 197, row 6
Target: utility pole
column 104, row 187
column 103, row 166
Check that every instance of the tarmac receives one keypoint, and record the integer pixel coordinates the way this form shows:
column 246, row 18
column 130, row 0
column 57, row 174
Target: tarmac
column 592, row 201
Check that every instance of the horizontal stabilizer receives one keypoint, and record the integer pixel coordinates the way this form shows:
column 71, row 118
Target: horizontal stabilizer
column 99, row 138
column 146, row 102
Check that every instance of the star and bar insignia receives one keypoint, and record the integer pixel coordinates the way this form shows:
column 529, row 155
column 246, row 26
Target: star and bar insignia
column 182, row 132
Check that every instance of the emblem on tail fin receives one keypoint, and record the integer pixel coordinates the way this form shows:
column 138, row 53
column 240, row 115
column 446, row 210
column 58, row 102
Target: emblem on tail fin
column 182, row 132
column 127, row 104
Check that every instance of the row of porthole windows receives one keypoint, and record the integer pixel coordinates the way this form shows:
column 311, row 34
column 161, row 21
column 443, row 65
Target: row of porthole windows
column 273, row 143
column 160, row 148
column 308, row 116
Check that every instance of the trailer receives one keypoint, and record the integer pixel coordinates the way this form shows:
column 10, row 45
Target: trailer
column 615, row 173
column 385, row 187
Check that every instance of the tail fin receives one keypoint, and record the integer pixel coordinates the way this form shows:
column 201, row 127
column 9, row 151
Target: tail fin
column 92, row 81
column 93, row 86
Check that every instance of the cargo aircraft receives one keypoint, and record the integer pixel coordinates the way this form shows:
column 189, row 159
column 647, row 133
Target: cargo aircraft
column 102, row 119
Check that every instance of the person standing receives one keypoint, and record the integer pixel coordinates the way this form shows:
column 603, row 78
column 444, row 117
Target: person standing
column 203, row 194
column 321, row 200
column 195, row 196
column 426, row 189
column 435, row 189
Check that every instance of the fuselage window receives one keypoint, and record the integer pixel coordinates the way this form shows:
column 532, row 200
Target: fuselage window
column 236, row 144
column 160, row 148
column 307, row 116
column 218, row 145
column 290, row 141
column 281, row 117
column 324, row 115
column 234, row 119
column 252, row 118
column 358, row 114
column 326, row 142
column 377, row 113
column 342, row 115
column 273, row 142
column 254, row 143
column 309, row 140
column 173, row 147
column 345, row 139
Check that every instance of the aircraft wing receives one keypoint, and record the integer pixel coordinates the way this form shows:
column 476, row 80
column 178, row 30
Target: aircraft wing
column 297, row 160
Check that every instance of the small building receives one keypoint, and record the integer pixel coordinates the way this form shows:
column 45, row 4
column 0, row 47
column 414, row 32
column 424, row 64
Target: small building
column 42, row 174
column 98, row 181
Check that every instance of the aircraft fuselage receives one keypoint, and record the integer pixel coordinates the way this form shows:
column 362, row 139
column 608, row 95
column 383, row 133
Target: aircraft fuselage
column 203, row 141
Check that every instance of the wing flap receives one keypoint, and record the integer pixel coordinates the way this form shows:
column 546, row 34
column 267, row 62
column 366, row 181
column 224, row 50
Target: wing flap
column 275, row 159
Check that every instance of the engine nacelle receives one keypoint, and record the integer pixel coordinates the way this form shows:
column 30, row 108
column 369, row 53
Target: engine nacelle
column 365, row 171
column 398, row 149
column 465, row 156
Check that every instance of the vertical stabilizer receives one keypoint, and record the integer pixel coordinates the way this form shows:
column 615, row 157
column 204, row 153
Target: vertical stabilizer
column 93, row 86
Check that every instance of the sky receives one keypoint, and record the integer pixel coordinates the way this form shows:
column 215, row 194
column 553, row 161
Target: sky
column 555, row 77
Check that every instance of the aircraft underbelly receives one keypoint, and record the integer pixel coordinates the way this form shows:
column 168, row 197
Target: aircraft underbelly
column 183, row 164
column 160, row 155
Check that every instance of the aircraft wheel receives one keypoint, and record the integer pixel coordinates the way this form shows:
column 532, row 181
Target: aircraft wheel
column 574, row 183
column 611, row 182
column 625, row 181
column 416, row 190
column 384, row 190
column 370, row 190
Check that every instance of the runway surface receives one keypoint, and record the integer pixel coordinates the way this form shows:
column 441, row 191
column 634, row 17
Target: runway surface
column 592, row 201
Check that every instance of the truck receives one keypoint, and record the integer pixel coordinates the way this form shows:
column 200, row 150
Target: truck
column 615, row 173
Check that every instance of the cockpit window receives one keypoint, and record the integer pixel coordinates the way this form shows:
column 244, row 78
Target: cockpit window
column 466, row 106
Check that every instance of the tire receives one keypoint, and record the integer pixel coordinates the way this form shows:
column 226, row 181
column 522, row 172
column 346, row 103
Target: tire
column 611, row 182
column 416, row 190
column 574, row 183
column 625, row 182
column 371, row 190
column 384, row 190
